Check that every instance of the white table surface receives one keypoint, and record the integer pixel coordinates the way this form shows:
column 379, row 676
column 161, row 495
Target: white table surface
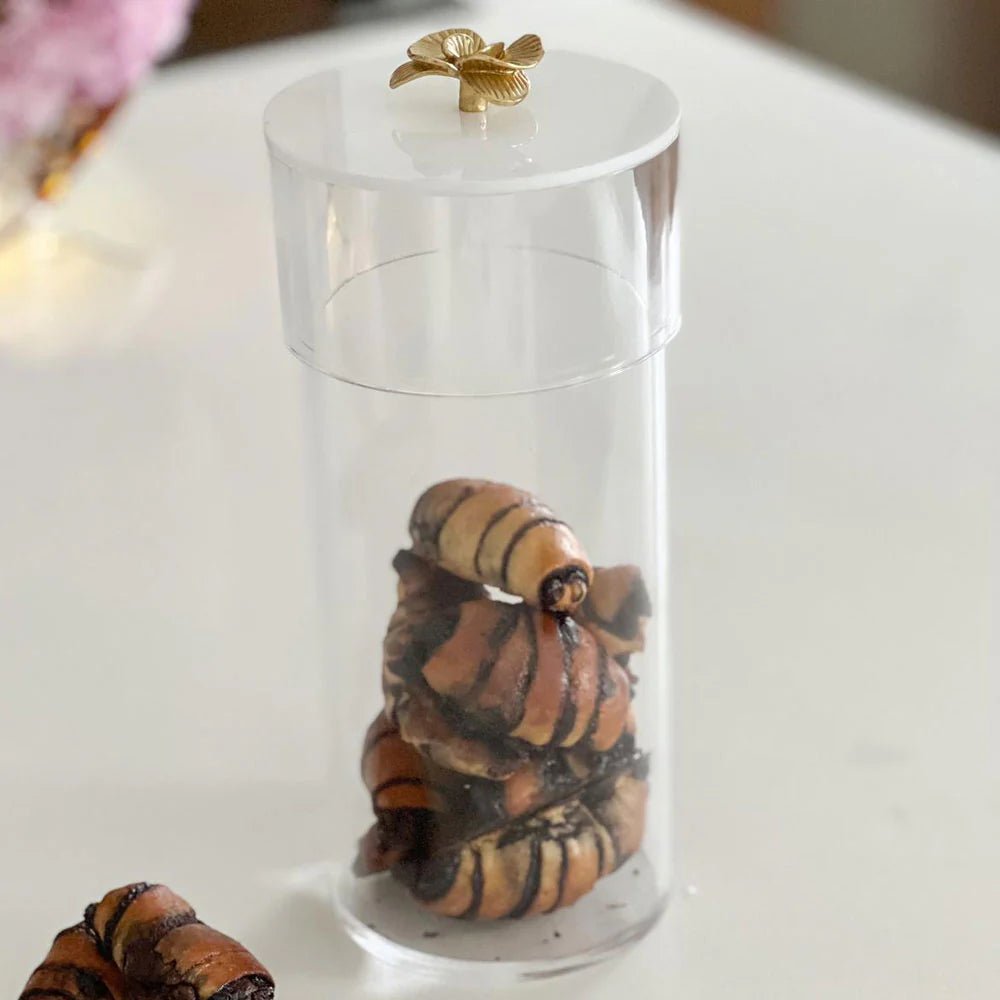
column 835, row 482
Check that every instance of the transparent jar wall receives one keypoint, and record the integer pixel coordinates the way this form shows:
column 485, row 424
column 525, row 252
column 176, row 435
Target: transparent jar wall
column 467, row 295
column 594, row 452
column 485, row 297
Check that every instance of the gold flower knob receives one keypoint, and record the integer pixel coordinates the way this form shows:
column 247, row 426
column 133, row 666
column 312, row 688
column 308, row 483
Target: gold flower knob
column 487, row 74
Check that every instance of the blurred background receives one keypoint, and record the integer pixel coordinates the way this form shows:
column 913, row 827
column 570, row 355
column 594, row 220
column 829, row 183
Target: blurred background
column 944, row 54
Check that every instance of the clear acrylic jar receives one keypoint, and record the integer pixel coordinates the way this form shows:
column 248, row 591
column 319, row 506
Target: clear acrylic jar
column 484, row 298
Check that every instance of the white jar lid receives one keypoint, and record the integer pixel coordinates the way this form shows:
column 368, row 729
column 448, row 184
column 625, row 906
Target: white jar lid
column 427, row 250
column 585, row 117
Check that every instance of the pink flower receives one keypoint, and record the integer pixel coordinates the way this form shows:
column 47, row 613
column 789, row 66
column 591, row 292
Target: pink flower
column 56, row 53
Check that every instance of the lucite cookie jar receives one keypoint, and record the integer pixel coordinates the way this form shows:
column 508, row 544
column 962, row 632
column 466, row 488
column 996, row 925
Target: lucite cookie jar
column 481, row 300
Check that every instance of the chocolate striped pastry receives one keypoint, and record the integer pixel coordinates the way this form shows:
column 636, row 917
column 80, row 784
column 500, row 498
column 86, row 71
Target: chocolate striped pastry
column 508, row 674
column 405, row 803
column 546, row 861
column 423, row 591
column 167, row 953
column 75, row 969
column 428, row 586
column 616, row 610
column 421, row 807
column 468, row 847
column 446, row 740
column 502, row 536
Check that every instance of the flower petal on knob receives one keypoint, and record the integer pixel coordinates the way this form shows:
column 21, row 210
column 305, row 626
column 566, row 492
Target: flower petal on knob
column 428, row 47
column 460, row 44
column 432, row 46
column 494, row 82
column 525, row 52
column 417, row 68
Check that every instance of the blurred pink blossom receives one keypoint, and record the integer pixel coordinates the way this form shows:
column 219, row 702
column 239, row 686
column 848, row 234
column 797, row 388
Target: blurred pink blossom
column 55, row 53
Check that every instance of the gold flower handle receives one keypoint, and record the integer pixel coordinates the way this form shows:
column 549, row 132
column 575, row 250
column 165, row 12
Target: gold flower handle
column 486, row 74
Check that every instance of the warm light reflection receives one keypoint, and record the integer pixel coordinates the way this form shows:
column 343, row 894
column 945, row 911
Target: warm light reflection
column 64, row 293
column 66, row 288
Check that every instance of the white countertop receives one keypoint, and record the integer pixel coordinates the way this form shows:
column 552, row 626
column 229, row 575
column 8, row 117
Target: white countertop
column 835, row 480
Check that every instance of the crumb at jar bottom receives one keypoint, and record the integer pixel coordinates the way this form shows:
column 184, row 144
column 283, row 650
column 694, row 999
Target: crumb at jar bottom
column 382, row 917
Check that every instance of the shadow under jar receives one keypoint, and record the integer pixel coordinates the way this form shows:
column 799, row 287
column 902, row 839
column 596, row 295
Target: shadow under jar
column 482, row 302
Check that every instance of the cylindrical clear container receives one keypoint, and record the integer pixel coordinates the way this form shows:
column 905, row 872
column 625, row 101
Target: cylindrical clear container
column 482, row 301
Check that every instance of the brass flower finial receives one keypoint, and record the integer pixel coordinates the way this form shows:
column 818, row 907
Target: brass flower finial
column 487, row 74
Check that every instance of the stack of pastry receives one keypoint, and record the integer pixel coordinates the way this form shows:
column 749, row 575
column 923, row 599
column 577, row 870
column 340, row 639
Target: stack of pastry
column 504, row 772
